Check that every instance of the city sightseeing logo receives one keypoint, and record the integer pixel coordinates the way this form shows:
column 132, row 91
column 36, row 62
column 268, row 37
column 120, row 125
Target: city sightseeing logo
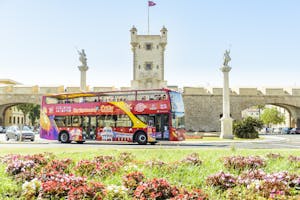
column 140, row 107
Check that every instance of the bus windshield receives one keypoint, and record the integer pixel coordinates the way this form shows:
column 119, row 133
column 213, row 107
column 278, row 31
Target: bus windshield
column 176, row 102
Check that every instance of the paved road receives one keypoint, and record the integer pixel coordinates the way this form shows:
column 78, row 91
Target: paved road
column 269, row 142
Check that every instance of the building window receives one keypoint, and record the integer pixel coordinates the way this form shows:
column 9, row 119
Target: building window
column 148, row 66
column 148, row 46
column 22, row 120
column 157, row 46
column 157, row 67
column 14, row 120
column 10, row 119
column 139, row 66
column 18, row 120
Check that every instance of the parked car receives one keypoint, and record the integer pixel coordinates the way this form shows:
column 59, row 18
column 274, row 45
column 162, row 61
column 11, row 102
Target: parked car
column 277, row 130
column 295, row 131
column 286, row 130
column 14, row 132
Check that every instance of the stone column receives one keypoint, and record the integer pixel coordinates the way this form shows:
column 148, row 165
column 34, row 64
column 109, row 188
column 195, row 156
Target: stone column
column 83, row 70
column 226, row 120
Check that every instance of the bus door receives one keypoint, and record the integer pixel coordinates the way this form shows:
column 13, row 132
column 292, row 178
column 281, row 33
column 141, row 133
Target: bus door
column 162, row 126
column 89, row 126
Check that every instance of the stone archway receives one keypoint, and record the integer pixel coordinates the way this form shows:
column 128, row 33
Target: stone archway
column 3, row 111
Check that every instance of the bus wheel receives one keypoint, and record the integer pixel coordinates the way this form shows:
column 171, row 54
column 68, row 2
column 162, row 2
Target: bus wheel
column 141, row 138
column 64, row 137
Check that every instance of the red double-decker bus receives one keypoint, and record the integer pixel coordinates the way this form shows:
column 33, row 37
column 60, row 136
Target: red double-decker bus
column 142, row 116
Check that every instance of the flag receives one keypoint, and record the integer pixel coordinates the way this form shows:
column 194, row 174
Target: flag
column 151, row 3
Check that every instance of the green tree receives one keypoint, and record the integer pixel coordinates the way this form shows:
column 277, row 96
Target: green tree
column 247, row 128
column 25, row 108
column 34, row 114
column 260, row 107
column 272, row 116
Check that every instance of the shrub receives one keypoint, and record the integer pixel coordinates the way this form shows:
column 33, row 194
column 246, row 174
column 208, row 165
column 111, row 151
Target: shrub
column 273, row 186
column 62, row 166
column 116, row 192
column 295, row 161
column 103, row 159
column 270, row 188
column 274, row 156
column 155, row 189
column 192, row 159
column 86, row 168
column 247, row 128
column 108, row 168
column 241, row 162
column 126, row 157
column 195, row 194
column 250, row 176
column 19, row 166
column 221, row 180
column 30, row 190
column 241, row 193
column 56, row 186
column 132, row 180
column 92, row 190
column 155, row 163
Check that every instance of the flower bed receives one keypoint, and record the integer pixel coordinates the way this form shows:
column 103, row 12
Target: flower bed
column 44, row 176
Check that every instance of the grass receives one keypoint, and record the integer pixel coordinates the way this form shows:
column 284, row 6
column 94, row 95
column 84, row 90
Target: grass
column 188, row 176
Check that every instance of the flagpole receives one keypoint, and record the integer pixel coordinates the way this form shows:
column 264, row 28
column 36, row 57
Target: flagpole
column 148, row 20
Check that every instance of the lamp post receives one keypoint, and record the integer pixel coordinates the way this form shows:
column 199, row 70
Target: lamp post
column 226, row 120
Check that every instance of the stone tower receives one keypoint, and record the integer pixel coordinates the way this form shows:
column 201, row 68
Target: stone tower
column 148, row 59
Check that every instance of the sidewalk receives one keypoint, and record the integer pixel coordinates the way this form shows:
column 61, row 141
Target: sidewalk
column 37, row 140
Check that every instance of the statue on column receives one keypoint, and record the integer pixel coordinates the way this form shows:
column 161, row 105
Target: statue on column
column 226, row 58
column 82, row 58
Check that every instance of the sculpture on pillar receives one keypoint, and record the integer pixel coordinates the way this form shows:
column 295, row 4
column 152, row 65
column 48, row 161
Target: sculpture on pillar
column 82, row 57
column 227, row 58
column 82, row 68
column 226, row 120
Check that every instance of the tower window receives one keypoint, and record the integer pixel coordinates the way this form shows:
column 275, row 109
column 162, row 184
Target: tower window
column 148, row 66
column 157, row 46
column 157, row 67
column 148, row 46
column 139, row 66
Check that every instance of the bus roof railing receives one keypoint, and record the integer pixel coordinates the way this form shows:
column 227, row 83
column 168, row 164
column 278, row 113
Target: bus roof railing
column 72, row 95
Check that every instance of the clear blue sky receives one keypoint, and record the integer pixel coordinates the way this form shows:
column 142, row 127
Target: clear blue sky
column 38, row 40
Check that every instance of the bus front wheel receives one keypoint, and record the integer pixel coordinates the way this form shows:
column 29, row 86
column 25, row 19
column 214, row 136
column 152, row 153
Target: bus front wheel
column 64, row 137
column 141, row 138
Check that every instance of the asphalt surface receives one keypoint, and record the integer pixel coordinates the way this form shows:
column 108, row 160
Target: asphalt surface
column 267, row 142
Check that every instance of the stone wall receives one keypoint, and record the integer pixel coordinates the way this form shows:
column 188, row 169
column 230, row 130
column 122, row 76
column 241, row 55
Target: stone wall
column 203, row 106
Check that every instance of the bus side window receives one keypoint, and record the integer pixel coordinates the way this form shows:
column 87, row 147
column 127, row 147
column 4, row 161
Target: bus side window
column 75, row 121
column 60, row 121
